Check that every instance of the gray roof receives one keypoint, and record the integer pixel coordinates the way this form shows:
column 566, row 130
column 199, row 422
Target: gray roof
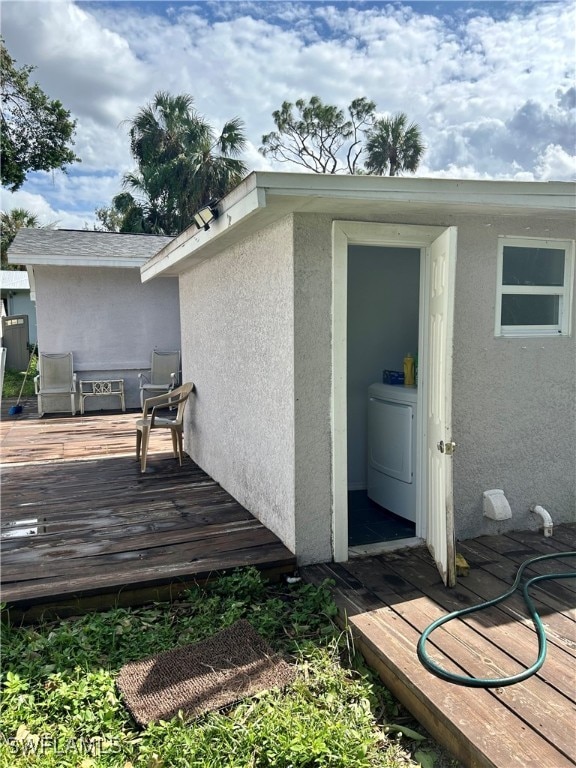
column 79, row 247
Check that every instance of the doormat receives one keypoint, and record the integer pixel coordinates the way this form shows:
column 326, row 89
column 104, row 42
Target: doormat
column 214, row 673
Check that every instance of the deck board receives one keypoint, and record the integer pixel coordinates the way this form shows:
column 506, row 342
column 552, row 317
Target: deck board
column 103, row 527
column 390, row 599
column 107, row 532
column 505, row 626
column 480, row 586
column 490, row 560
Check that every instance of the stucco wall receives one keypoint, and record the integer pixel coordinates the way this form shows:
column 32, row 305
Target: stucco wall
column 238, row 348
column 109, row 320
column 514, row 400
column 256, row 339
column 313, row 382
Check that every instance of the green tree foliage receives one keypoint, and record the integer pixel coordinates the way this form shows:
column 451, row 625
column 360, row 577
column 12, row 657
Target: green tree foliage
column 325, row 139
column 318, row 136
column 36, row 132
column 393, row 146
column 10, row 223
column 110, row 219
column 182, row 164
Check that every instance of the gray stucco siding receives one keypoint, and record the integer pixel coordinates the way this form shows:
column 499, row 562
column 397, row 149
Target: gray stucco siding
column 109, row 320
column 514, row 399
column 257, row 341
column 238, row 348
column 313, row 382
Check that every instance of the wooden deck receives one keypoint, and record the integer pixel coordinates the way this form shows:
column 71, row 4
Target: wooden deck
column 105, row 534
column 389, row 600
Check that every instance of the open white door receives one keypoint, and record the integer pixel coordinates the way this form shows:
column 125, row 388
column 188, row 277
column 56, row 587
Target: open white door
column 439, row 444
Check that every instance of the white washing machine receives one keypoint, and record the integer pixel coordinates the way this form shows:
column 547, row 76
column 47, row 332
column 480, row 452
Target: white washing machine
column 392, row 448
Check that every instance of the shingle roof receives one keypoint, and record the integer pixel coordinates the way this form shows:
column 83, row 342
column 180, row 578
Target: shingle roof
column 76, row 247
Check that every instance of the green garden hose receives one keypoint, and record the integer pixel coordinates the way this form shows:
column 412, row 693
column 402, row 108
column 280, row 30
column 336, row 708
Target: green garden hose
column 498, row 682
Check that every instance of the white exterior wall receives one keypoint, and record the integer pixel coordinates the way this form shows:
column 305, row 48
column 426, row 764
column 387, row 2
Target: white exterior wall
column 109, row 320
column 238, row 349
column 313, row 383
column 514, row 400
column 256, row 339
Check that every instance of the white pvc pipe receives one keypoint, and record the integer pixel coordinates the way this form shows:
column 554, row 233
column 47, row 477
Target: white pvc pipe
column 546, row 519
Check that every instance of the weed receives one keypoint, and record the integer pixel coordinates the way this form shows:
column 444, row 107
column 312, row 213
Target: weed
column 61, row 707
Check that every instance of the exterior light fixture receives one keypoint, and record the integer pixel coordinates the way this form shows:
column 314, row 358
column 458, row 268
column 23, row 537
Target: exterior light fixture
column 206, row 215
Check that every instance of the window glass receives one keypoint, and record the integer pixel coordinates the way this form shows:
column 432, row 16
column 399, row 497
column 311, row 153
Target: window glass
column 519, row 309
column 532, row 266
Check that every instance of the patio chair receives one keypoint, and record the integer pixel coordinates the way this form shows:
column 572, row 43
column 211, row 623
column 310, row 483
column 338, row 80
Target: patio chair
column 177, row 398
column 56, row 378
column 164, row 373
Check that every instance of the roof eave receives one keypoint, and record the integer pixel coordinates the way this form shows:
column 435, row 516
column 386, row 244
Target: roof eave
column 195, row 245
column 53, row 260
column 264, row 197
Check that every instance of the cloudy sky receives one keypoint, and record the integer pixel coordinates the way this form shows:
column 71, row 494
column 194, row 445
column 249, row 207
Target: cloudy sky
column 491, row 84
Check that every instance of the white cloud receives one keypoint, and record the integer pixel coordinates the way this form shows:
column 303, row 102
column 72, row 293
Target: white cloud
column 78, row 60
column 494, row 95
column 555, row 163
column 37, row 204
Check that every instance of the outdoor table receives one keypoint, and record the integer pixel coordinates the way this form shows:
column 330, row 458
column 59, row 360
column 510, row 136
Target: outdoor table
column 102, row 388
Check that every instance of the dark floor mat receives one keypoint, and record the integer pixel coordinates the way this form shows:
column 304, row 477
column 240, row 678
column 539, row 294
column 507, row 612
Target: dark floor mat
column 221, row 670
column 369, row 523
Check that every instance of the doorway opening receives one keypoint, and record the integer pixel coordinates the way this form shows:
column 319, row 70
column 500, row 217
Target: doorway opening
column 434, row 521
column 383, row 326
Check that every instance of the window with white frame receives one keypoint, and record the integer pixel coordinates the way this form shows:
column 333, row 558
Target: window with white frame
column 534, row 295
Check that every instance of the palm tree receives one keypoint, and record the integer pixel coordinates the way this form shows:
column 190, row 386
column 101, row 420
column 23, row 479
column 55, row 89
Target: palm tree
column 10, row 223
column 182, row 165
column 393, row 146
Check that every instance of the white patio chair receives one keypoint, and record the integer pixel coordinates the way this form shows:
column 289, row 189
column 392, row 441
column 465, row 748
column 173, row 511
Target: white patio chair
column 177, row 398
column 55, row 378
column 164, row 373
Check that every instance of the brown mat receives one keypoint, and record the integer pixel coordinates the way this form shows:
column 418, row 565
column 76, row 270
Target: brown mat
column 232, row 664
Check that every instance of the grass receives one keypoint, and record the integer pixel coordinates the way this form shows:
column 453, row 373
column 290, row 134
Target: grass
column 61, row 708
column 13, row 381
